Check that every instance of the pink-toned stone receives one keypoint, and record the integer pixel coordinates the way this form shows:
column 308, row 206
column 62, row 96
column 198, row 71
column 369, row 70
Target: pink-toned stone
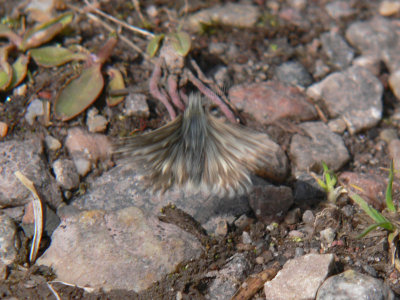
column 273, row 100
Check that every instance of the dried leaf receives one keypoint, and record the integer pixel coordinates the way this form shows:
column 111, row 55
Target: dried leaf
column 38, row 214
column 154, row 44
column 45, row 32
column 181, row 42
column 55, row 56
column 19, row 70
column 79, row 93
column 116, row 83
column 105, row 52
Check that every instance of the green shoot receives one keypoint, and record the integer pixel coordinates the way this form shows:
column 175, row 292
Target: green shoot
column 328, row 183
column 389, row 199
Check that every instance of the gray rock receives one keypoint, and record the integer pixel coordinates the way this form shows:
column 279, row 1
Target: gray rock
column 136, row 105
column 25, row 156
column 243, row 221
column 294, row 73
column 66, row 174
column 121, row 249
column 377, row 37
column 227, row 279
column 9, row 243
column 340, row 54
column 327, row 236
column 387, row 135
column 35, row 109
column 300, row 277
column 123, row 186
column 230, row 14
column 308, row 217
column 273, row 100
column 246, row 239
column 354, row 94
column 269, row 202
column 52, row 143
column 351, row 285
column 394, row 83
column 28, row 221
column 339, row 9
column 319, row 144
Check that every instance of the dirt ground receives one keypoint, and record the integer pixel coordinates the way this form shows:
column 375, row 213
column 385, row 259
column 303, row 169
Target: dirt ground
column 30, row 283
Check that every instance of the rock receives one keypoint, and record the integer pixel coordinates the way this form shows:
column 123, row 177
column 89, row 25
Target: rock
column 87, row 148
column 376, row 37
column 227, row 279
column 26, row 157
column 308, row 217
column 3, row 129
column 293, row 216
column 369, row 62
column 293, row 73
column 3, row 271
column 388, row 135
column 340, row 54
column 270, row 101
column 373, row 187
column 388, row 8
column 66, row 174
column 327, row 236
column 242, row 222
column 95, row 122
column 9, row 243
column 320, row 69
column 230, row 14
column 354, row 95
column 269, row 202
column 394, row 152
column 351, row 285
column 300, row 277
column 135, row 105
column 319, row 144
column 307, row 191
column 52, row 143
column 123, row 186
column 15, row 213
column 246, row 239
column 28, row 220
column 35, row 109
column 394, row 83
column 339, row 9
column 222, row 228
column 122, row 249
column 337, row 125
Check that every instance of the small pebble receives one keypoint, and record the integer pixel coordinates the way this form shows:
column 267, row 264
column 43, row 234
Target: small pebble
column 387, row 135
column 388, row 8
column 337, row 125
column 222, row 228
column 293, row 216
column 260, row 260
column 35, row 109
column 327, row 235
column 20, row 90
column 96, row 122
column 82, row 165
column 308, row 217
column 66, row 174
column 246, row 239
column 295, row 234
column 136, row 105
column 242, row 222
column 52, row 143
column 298, row 252
column 3, row 129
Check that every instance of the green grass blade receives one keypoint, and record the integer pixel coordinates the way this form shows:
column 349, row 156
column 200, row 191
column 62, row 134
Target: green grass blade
column 384, row 225
column 372, row 212
column 389, row 198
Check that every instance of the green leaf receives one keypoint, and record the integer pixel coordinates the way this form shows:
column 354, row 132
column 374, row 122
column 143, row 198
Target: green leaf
column 389, row 198
column 46, row 31
column 154, row 44
column 52, row 56
column 19, row 70
column 116, row 83
column 79, row 93
column 181, row 42
column 385, row 225
column 5, row 69
column 370, row 211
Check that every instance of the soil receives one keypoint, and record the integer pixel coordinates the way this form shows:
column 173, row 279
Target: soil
column 367, row 255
